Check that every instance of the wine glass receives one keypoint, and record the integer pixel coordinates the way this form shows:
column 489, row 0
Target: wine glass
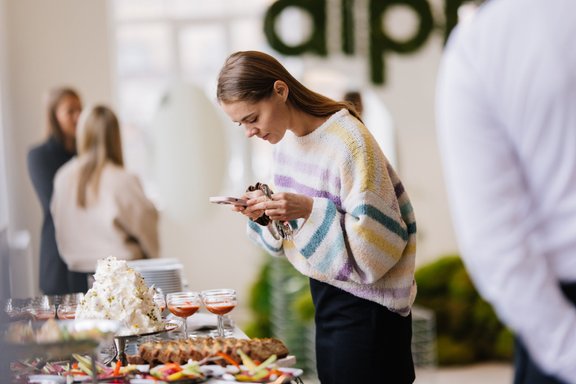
column 159, row 299
column 17, row 309
column 184, row 305
column 67, row 308
column 219, row 302
column 42, row 308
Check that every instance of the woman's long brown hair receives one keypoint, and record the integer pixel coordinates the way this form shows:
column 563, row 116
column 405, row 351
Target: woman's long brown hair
column 250, row 75
column 98, row 142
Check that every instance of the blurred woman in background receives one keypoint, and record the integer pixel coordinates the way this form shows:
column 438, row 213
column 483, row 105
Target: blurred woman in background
column 63, row 106
column 99, row 208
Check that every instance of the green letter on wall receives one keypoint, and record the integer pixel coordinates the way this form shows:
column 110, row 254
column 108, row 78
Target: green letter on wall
column 380, row 43
column 317, row 41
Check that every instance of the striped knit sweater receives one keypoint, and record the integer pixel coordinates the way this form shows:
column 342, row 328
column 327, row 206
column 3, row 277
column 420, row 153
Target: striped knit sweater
column 361, row 234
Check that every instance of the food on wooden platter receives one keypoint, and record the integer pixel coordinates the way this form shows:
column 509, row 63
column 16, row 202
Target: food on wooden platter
column 197, row 349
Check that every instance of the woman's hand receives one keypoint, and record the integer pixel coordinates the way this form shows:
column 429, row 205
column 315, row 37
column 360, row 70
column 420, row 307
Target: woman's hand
column 252, row 198
column 284, row 206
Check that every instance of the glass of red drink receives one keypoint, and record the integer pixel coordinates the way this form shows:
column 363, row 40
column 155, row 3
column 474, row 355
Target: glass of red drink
column 42, row 308
column 184, row 305
column 219, row 302
column 67, row 308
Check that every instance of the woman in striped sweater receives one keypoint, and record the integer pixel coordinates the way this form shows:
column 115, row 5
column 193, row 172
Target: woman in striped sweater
column 353, row 228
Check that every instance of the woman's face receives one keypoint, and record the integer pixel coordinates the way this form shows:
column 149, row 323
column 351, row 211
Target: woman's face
column 67, row 112
column 267, row 119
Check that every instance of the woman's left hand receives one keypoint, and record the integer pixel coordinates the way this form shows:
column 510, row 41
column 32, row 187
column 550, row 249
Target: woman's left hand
column 286, row 206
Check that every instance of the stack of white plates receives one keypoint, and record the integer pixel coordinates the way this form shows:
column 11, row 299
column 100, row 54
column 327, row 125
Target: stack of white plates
column 165, row 274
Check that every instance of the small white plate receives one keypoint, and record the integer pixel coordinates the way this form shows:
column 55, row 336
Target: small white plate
column 47, row 379
column 294, row 372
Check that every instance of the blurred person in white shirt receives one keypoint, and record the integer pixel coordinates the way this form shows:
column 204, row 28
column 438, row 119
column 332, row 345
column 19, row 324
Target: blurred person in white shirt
column 99, row 208
column 506, row 110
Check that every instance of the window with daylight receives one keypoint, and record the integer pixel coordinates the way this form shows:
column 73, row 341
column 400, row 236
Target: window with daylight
column 160, row 41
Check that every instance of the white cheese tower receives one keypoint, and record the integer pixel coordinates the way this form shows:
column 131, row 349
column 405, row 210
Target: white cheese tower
column 120, row 293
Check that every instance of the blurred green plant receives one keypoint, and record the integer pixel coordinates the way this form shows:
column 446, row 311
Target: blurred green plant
column 281, row 305
column 304, row 307
column 260, row 299
column 467, row 328
column 260, row 304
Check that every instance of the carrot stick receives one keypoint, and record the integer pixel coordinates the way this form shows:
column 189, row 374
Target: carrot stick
column 228, row 358
column 117, row 367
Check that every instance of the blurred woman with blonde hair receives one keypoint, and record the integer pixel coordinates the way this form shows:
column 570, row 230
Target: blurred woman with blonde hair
column 99, row 208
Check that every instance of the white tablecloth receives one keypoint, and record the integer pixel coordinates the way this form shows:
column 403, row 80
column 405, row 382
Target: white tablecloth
column 204, row 321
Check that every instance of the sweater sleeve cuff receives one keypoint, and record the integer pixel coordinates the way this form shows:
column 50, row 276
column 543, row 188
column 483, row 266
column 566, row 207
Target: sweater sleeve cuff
column 261, row 235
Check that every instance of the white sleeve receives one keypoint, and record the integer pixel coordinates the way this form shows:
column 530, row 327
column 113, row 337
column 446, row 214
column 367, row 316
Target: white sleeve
column 491, row 211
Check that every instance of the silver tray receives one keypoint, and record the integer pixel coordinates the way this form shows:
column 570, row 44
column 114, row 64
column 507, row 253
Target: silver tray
column 167, row 326
column 121, row 340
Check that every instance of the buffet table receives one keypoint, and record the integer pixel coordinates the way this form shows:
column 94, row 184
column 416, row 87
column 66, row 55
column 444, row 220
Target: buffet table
column 145, row 331
column 200, row 325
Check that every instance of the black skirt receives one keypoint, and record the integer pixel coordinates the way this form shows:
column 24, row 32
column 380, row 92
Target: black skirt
column 359, row 341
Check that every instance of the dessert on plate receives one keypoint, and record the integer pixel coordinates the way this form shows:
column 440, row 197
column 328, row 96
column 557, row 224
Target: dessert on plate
column 120, row 293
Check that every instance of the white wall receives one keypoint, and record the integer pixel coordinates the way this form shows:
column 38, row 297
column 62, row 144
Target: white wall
column 409, row 95
column 3, row 121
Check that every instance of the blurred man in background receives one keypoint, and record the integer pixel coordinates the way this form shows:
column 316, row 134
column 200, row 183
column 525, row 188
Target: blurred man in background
column 355, row 97
column 507, row 131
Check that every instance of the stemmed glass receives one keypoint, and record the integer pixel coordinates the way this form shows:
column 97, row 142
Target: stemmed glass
column 184, row 305
column 159, row 299
column 67, row 308
column 42, row 308
column 219, row 302
column 17, row 309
